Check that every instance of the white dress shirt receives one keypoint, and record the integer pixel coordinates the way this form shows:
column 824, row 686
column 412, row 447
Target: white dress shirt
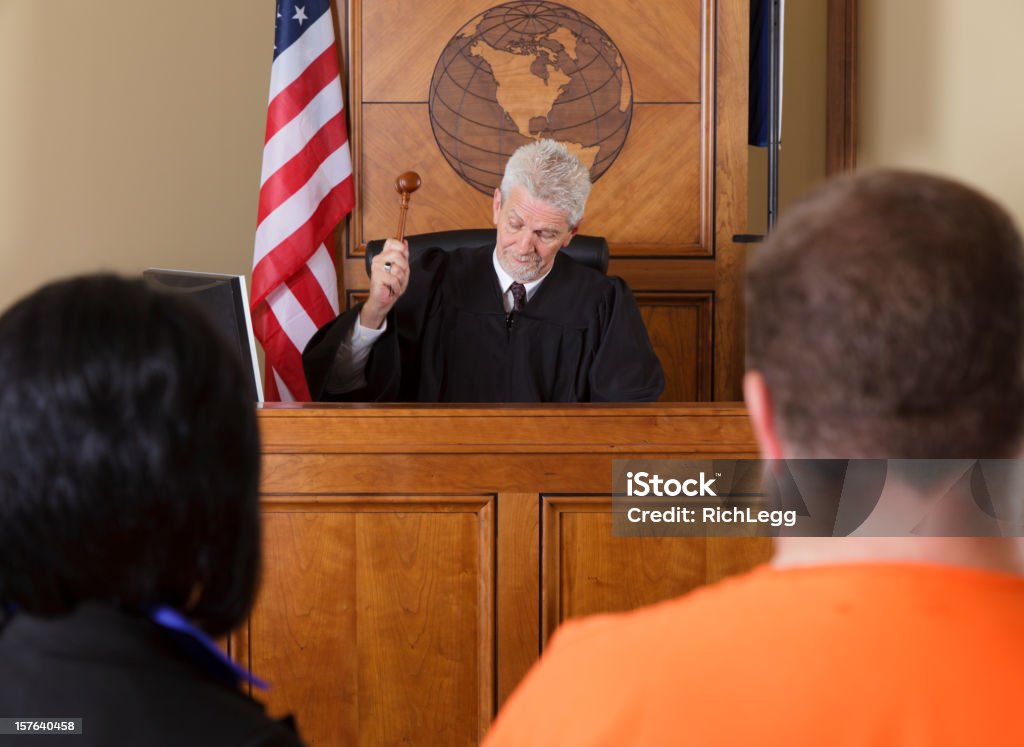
column 505, row 281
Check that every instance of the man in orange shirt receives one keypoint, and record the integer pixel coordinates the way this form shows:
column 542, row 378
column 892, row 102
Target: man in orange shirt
column 886, row 320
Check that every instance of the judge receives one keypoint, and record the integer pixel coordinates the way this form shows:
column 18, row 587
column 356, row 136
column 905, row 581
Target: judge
column 517, row 322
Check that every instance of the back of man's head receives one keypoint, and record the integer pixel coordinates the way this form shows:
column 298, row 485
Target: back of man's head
column 886, row 315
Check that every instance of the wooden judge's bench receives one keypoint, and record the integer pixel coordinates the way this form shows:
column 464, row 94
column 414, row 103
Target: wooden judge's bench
column 417, row 559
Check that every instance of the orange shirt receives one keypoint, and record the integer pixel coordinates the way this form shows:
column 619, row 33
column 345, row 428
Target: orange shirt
column 865, row 654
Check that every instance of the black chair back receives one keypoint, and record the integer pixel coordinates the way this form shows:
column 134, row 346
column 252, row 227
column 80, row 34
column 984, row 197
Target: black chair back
column 588, row 250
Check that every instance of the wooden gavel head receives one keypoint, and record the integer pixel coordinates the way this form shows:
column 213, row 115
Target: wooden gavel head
column 407, row 183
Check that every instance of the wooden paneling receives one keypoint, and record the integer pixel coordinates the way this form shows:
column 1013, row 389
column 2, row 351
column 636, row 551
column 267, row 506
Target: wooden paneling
column 663, row 275
column 679, row 325
column 377, row 613
column 404, row 594
column 403, row 141
column 732, row 57
column 540, row 431
column 305, row 615
column 659, row 212
column 661, row 43
column 402, row 42
column 587, row 571
column 518, row 617
column 841, row 87
column 649, row 202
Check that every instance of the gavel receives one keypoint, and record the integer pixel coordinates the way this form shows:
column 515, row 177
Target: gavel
column 405, row 185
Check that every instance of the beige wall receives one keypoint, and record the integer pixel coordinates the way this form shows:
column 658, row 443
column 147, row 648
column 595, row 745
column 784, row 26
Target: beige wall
column 939, row 90
column 130, row 135
column 130, row 132
column 802, row 161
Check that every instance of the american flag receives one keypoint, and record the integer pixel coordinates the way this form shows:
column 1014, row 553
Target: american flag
column 305, row 190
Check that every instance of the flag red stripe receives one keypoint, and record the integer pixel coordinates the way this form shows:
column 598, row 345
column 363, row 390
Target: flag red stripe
column 291, row 192
column 290, row 255
column 293, row 175
column 307, row 289
column 259, row 321
column 286, row 359
column 293, row 99
column 270, row 391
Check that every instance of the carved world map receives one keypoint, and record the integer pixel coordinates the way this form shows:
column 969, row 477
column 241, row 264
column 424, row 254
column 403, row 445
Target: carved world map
column 523, row 71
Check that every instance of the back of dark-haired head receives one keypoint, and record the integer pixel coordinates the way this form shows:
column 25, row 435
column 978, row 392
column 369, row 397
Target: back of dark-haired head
column 129, row 456
column 886, row 314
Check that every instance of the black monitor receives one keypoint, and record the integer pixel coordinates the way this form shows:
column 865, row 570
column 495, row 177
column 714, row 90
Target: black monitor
column 226, row 302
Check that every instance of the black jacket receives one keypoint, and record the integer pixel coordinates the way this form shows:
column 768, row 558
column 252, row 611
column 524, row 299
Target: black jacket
column 129, row 682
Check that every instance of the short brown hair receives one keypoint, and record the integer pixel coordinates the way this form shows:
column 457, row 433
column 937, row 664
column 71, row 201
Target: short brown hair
column 886, row 314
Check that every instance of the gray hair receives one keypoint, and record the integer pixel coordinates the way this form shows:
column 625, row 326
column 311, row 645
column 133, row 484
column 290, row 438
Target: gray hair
column 550, row 173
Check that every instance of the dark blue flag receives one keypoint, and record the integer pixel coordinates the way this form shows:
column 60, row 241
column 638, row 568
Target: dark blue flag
column 759, row 115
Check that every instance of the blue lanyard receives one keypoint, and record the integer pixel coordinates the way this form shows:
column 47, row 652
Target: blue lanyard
column 173, row 620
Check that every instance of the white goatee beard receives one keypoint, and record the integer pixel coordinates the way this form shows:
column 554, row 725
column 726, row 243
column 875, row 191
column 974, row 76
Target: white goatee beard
column 520, row 273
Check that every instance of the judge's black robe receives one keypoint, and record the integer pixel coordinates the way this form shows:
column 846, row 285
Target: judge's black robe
column 579, row 339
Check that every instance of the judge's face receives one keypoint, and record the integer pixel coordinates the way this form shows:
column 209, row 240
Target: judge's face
column 530, row 233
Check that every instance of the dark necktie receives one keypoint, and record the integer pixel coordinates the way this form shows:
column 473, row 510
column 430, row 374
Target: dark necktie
column 518, row 291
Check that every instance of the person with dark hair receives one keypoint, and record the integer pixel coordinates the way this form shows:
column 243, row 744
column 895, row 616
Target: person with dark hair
column 129, row 524
column 885, row 320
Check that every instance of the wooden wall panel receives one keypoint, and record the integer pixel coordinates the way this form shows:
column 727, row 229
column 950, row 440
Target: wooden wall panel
column 587, row 571
column 405, row 143
column 406, row 615
column 518, row 619
column 679, row 326
column 634, row 219
column 649, row 201
column 305, row 615
column 378, row 613
column 730, row 196
column 661, row 44
column 402, row 41
column 660, row 41
column 841, row 87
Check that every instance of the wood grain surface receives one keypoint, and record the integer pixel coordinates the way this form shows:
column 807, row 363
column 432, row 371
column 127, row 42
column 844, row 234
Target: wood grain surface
column 375, row 620
column 417, row 558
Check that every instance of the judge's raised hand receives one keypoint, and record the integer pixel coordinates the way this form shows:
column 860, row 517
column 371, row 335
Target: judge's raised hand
column 389, row 277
